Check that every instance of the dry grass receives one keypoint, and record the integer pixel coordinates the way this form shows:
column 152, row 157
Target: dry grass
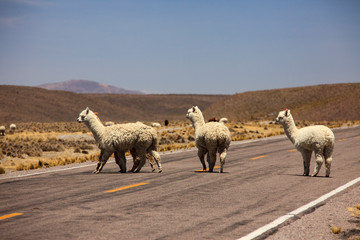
column 51, row 162
column 354, row 232
column 32, row 148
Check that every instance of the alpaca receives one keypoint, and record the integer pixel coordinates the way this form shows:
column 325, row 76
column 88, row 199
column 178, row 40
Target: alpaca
column 155, row 124
column 12, row 128
column 223, row 120
column 136, row 160
column 2, row 130
column 121, row 138
column 213, row 119
column 319, row 139
column 132, row 152
column 210, row 138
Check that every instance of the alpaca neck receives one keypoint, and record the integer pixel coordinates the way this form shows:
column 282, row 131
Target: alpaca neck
column 95, row 126
column 197, row 123
column 290, row 129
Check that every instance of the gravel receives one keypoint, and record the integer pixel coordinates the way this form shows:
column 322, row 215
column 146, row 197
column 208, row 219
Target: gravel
column 318, row 223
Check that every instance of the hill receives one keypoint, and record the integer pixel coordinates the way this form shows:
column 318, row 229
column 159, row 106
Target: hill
column 86, row 86
column 30, row 104
column 315, row 103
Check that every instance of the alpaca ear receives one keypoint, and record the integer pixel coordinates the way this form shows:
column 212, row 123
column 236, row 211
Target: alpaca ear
column 194, row 109
column 287, row 112
column 87, row 110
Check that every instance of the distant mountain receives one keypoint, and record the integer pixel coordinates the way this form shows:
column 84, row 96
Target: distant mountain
column 86, row 86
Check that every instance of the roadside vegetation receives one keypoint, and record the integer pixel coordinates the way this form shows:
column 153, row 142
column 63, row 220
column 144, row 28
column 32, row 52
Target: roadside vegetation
column 354, row 232
column 41, row 145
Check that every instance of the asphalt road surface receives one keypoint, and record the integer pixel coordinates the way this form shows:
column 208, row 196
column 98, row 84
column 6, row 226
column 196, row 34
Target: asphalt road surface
column 262, row 181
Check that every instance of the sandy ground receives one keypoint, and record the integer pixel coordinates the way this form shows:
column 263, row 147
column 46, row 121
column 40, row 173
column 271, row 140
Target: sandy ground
column 317, row 224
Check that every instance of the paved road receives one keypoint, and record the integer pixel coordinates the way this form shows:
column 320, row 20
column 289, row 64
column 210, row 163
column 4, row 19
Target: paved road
column 262, row 181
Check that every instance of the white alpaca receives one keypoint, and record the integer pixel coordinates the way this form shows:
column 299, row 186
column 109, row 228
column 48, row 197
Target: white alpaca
column 223, row 120
column 155, row 124
column 210, row 138
column 319, row 139
column 12, row 128
column 133, row 154
column 121, row 138
column 2, row 130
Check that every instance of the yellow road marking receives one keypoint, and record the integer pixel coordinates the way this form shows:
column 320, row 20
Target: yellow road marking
column 340, row 140
column 258, row 157
column 292, row 150
column 207, row 169
column 10, row 215
column 357, row 137
column 126, row 187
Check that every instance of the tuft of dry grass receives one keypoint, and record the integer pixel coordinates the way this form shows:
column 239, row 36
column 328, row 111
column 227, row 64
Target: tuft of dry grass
column 336, row 230
column 37, row 148
column 52, row 162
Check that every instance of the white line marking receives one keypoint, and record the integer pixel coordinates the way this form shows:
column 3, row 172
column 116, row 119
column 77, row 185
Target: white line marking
column 302, row 209
column 48, row 171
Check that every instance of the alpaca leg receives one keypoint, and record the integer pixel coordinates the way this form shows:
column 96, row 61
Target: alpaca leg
column 151, row 162
column 328, row 159
column 306, row 154
column 120, row 161
column 155, row 155
column 99, row 161
column 141, row 163
column 104, row 156
column 117, row 158
column 319, row 156
column 201, row 154
column 328, row 166
column 212, row 159
column 223, row 154
column 135, row 160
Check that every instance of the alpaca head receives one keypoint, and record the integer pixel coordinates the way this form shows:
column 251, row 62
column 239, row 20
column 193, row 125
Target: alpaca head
column 84, row 115
column 193, row 112
column 195, row 115
column 283, row 116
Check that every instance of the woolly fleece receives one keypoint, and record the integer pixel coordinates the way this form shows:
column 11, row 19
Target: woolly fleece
column 319, row 139
column 121, row 138
column 210, row 138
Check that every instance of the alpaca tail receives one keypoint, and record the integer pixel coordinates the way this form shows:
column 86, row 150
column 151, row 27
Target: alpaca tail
column 154, row 143
column 223, row 120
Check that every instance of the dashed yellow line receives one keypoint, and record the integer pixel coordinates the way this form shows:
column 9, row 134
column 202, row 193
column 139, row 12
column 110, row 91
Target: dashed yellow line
column 207, row 169
column 357, row 137
column 10, row 215
column 340, row 140
column 126, row 187
column 254, row 158
column 292, row 150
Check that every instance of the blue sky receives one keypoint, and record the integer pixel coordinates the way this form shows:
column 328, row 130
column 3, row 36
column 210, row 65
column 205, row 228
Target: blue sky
column 187, row 46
